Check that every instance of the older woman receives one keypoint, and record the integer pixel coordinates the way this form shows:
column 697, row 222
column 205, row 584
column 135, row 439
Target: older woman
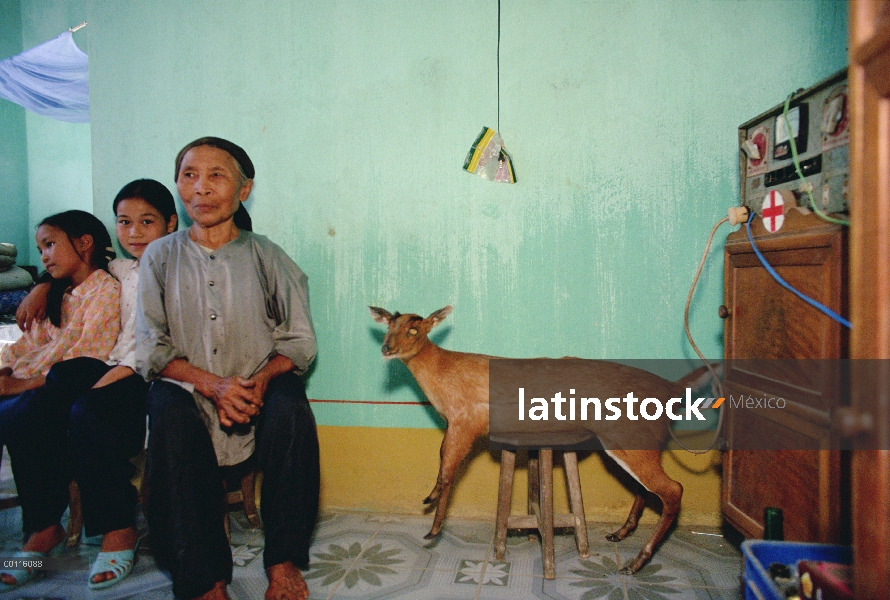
column 224, row 330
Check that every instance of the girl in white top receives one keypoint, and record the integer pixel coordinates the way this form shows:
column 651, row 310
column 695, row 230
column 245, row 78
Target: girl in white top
column 107, row 399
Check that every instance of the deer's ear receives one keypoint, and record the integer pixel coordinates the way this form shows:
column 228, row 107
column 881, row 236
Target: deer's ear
column 439, row 316
column 380, row 315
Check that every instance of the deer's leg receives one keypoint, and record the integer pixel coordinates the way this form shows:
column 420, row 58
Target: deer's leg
column 455, row 446
column 632, row 519
column 437, row 489
column 645, row 466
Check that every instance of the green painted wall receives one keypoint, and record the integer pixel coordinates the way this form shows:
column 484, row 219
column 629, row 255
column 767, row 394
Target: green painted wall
column 13, row 144
column 621, row 116
column 59, row 153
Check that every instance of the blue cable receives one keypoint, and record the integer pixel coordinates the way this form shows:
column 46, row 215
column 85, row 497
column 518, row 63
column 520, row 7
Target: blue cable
column 788, row 287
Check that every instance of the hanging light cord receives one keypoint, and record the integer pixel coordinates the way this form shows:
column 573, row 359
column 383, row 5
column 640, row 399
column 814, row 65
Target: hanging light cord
column 499, row 65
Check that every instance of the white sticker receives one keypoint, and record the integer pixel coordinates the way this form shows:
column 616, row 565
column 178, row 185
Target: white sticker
column 773, row 211
column 782, row 128
column 759, row 138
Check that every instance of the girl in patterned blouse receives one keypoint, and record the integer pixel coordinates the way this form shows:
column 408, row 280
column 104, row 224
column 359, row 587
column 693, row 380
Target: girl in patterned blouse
column 83, row 302
column 102, row 402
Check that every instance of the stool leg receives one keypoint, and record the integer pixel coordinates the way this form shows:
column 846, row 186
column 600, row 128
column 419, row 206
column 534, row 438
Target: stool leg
column 505, row 496
column 227, row 526
column 248, row 498
column 534, row 488
column 570, row 460
column 545, row 525
column 75, row 516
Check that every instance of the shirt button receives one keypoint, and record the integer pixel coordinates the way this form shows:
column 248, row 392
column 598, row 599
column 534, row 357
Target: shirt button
column 213, row 317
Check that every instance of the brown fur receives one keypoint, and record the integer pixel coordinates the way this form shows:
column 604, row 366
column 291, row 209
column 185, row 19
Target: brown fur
column 456, row 383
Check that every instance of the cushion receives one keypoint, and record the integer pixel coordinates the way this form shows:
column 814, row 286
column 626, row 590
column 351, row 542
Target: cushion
column 15, row 278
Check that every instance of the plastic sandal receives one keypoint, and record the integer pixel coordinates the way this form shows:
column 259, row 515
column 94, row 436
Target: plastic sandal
column 22, row 576
column 120, row 563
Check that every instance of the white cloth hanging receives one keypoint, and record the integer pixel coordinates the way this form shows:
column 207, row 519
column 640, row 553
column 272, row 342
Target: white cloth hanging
column 51, row 79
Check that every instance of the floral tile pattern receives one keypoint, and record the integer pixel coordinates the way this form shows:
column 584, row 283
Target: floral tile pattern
column 353, row 564
column 242, row 556
column 483, row 573
column 601, row 580
column 377, row 556
column 366, row 556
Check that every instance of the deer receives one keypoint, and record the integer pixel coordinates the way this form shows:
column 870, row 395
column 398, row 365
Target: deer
column 457, row 386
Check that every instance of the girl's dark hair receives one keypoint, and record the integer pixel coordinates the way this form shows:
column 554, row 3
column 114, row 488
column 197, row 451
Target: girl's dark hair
column 75, row 224
column 245, row 166
column 153, row 192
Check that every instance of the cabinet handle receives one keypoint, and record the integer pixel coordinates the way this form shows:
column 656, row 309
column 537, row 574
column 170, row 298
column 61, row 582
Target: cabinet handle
column 851, row 423
column 723, row 312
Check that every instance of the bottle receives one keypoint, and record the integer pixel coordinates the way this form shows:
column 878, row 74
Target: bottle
column 773, row 524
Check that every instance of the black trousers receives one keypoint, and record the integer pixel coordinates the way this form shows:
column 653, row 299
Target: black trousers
column 186, row 498
column 66, row 430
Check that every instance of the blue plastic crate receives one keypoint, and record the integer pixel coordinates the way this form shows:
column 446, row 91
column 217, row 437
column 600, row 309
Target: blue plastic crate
column 760, row 554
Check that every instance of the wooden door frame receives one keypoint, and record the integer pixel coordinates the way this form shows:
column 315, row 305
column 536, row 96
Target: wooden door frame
column 869, row 80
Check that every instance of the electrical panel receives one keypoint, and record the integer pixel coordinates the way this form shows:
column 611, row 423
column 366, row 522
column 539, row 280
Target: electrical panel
column 818, row 122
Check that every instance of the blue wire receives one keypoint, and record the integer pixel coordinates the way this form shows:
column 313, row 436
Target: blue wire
column 788, row 287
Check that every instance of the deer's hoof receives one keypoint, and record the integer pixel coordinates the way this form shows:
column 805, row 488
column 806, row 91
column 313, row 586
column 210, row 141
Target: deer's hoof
column 634, row 566
column 428, row 500
column 431, row 536
column 613, row 537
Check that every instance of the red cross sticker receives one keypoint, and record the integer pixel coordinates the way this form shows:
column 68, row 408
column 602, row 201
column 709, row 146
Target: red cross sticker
column 773, row 211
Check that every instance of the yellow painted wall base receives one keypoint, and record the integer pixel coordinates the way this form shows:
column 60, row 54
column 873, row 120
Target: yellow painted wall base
column 393, row 470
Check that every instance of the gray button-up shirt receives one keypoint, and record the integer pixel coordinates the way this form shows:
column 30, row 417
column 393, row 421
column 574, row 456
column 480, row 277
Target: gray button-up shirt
column 227, row 312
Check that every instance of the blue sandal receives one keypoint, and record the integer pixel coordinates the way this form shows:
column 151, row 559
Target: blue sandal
column 22, row 576
column 120, row 563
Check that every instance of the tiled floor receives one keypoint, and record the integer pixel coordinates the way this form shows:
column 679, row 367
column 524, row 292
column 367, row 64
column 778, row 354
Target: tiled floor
column 370, row 555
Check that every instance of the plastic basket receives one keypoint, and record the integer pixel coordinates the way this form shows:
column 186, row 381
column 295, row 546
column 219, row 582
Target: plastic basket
column 760, row 554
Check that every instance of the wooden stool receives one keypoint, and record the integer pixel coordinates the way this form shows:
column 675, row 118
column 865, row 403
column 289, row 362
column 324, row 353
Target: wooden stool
column 239, row 482
column 245, row 495
column 540, row 501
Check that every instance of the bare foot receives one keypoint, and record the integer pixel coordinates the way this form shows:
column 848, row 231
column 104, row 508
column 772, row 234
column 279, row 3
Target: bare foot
column 218, row 592
column 46, row 540
column 42, row 541
column 286, row 583
column 114, row 541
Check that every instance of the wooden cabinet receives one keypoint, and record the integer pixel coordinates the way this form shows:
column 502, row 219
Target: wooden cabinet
column 766, row 321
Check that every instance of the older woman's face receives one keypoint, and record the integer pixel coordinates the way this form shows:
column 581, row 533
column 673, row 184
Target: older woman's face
column 210, row 185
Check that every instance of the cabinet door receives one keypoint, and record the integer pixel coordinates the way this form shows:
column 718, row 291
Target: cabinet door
column 807, row 483
column 766, row 321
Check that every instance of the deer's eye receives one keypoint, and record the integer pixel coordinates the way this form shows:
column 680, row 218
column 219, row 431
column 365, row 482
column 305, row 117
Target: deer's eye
column 412, row 331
